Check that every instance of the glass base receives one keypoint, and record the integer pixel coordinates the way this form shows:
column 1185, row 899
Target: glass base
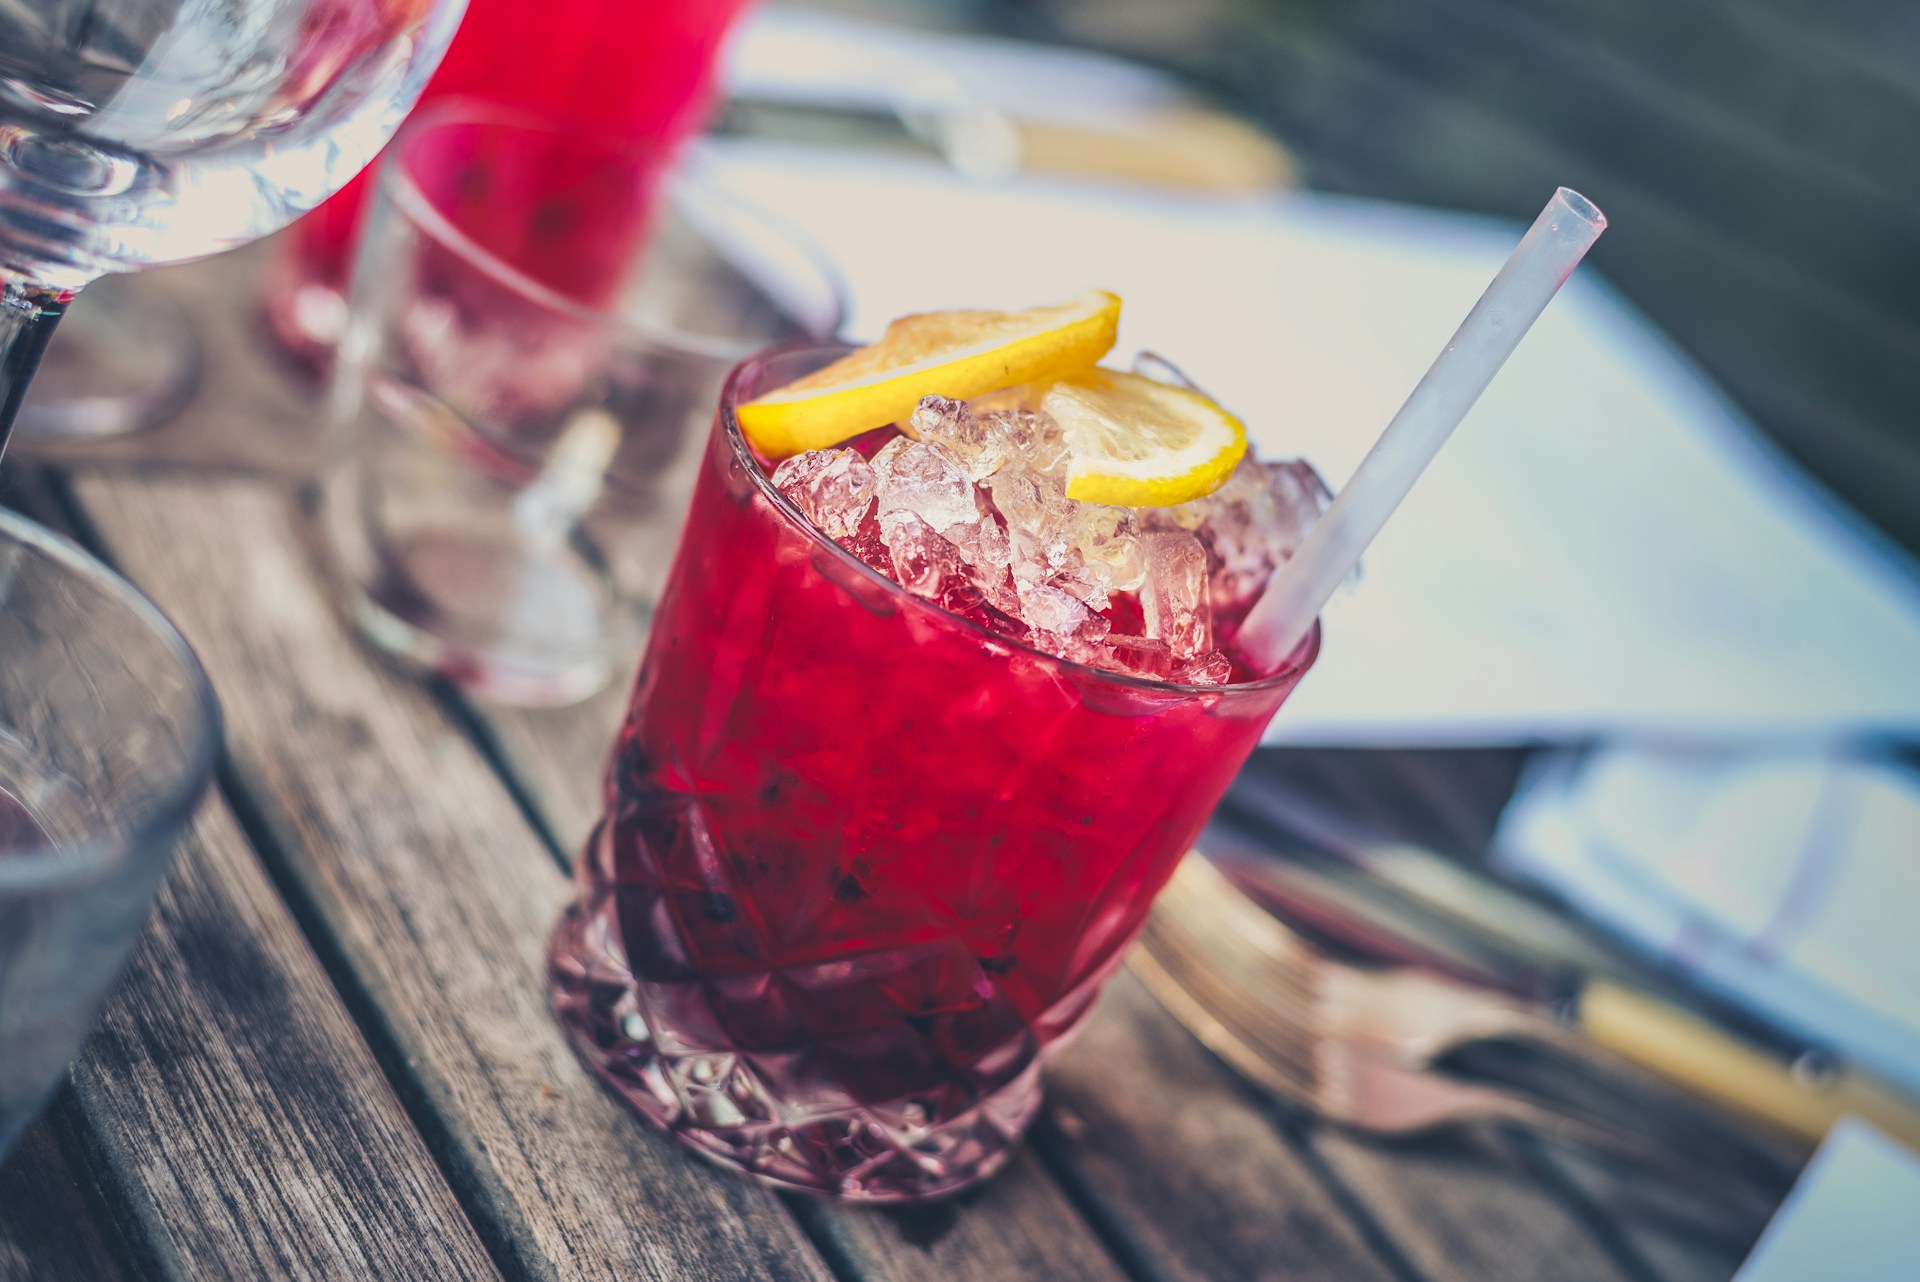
column 506, row 631
column 726, row 1106
column 125, row 361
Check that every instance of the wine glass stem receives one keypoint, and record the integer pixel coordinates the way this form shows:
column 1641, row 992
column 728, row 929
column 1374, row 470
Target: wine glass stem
column 28, row 314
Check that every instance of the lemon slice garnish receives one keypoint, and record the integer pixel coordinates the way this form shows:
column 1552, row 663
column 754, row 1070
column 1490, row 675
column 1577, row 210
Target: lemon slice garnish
column 956, row 354
column 1135, row 442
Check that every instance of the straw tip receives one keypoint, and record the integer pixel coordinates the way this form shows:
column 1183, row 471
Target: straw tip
column 1582, row 208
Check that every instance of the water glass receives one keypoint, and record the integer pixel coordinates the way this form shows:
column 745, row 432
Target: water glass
column 541, row 321
column 108, row 735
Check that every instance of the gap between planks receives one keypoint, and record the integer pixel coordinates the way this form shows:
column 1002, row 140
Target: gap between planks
column 404, row 852
column 1182, row 1174
column 416, row 859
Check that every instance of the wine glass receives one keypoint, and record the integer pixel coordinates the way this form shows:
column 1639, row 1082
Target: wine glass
column 136, row 133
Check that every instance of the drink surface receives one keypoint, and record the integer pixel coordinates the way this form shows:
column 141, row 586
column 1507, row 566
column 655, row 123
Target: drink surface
column 873, row 856
column 141, row 132
column 610, row 68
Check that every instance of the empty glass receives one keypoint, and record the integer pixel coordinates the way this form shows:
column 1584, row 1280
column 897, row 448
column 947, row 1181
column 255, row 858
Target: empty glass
column 541, row 320
column 108, row 734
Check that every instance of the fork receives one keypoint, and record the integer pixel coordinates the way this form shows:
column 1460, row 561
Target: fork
column 1360, row 1047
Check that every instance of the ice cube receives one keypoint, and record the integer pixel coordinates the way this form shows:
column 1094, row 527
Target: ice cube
column 1140, row 656
column 983, row 542
column 988, row 553
column 1027, row 438
column 832, row 488
column 868, row 544
column 1250, row 525
column 1300, row 497
column 922, row 560
column 911, row 476
column 1031, row 511
column 1060, row 622
column 1108, row 538
column 952, row 425
column 927, row 563
column 1173, row 593
column 989, row 434
column 1210, row 669
column 1083, row 549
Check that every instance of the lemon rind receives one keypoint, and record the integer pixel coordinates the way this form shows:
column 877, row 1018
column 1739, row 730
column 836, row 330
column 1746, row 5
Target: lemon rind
column 782, row 425
column 1196, row 469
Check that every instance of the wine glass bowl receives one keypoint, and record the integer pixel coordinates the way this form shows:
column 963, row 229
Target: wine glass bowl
column 135, row 133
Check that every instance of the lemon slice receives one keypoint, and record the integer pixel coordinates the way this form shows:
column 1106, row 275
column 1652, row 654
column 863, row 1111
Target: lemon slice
column 1134, row 442
column 957, row 354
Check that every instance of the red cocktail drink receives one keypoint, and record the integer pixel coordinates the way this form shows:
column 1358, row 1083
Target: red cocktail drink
column 608, row 68
column 864, row 860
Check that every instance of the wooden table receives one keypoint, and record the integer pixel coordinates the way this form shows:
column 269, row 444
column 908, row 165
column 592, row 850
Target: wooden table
column 333, row 1058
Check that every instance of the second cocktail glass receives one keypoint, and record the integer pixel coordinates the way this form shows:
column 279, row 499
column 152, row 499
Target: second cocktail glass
column 543, row 317
column 865, row 863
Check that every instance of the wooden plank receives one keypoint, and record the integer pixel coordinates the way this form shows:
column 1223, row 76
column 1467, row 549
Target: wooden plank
column 1181, row 1166
column 1185, row 1163
column 1449, row 801
column 1774, row 200
column 47, row 1230
column 1766, row 328
column 241, row 1124
column 1464, row 1209
column 1018, row 1226
column 1755, row 68
column 558, row 756
column 1671, row 1230
column 1206, row 1190
column 407, row 856
column 254, row 409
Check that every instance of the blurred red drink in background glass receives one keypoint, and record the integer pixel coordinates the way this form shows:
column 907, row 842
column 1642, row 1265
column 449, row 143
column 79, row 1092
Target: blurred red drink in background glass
column 638, row 71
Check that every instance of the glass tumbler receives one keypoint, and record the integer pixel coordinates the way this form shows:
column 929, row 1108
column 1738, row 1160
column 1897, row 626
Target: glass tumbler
column 108, row 735
column 541, row 319
column 641, row 71
column 864, row 864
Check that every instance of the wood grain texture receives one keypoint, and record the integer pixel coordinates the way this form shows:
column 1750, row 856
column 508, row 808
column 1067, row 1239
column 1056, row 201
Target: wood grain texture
column 276, row 1149
column 425, row 884
column 1449, row 802
column 1019, row 1226
column 47, row 1232
column 1177, row 1209
column 558, row 755
column 1463, row 1208
column 1179, row 1167
column 1669, row 1231
column 254, row 410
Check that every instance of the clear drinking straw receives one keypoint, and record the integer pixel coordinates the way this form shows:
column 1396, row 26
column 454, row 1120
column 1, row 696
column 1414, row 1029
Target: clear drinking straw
column 1546, row 256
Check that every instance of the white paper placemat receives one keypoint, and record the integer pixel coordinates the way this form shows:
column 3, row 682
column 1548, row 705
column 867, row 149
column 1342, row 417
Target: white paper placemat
column 1605, row 547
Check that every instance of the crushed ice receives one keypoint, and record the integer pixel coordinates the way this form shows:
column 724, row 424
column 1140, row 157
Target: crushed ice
column 970, row 510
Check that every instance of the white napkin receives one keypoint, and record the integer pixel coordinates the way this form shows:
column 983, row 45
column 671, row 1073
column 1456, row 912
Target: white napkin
column 1784, row 881
column 1604, row 548
column 1849, row 1218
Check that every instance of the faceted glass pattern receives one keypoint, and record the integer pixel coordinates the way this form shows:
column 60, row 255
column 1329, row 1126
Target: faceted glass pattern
column 864, row 862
